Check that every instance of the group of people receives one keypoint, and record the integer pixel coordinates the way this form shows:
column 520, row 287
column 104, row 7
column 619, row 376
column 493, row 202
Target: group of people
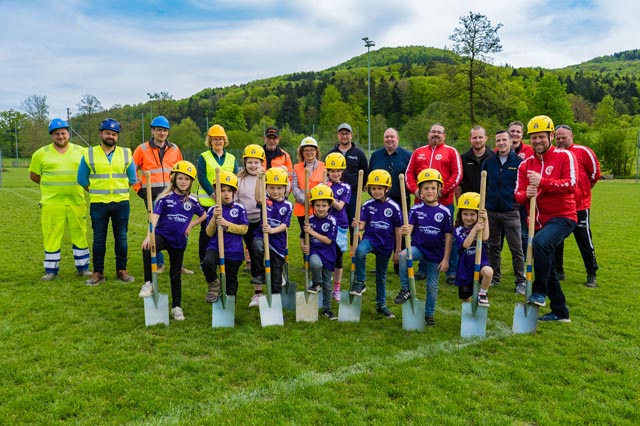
column 324, row 202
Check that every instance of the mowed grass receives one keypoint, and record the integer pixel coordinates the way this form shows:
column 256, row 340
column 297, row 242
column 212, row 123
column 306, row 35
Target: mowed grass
column 82, row 355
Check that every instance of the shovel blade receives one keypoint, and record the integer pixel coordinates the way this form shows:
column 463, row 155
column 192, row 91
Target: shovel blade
column 306, row 311
column 156, row 313
column 473, row 325
column 288, row 296
column 349, row 308
column 525, row 319
column 271, row 315
column 413, row 317
column 223, row 317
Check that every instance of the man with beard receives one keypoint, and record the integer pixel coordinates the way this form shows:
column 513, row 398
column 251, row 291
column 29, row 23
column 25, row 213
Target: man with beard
column 106, row 172
column 472, row 161
column 62, row 201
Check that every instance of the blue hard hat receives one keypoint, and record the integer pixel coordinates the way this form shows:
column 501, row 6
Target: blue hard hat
column 160, row 121
column 58, row 123
column 110, row 124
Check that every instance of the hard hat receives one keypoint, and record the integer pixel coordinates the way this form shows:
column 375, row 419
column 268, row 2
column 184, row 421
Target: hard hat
column 228, row 178
column 254, row 151
column 186, row 168
column 469, row 201
column 217, row 131
column 276, row 176
column 335, row 161
column 379, row 177
column 540, row 123
column 58, row 123
column 428, row 175
column 110, row 124
column 160, row 121
column 308, row 141
column 321, row 192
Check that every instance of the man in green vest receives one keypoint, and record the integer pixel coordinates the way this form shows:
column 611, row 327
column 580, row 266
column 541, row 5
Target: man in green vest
column 54, row 168
column 106, row 172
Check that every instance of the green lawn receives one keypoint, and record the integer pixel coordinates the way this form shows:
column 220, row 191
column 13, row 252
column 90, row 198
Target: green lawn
column 82, row 355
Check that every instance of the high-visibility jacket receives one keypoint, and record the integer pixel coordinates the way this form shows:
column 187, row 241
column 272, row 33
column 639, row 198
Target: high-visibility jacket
column 108, row 181
column 228, row 165
column 315, row 178
column 58, row 171
column 147, row 159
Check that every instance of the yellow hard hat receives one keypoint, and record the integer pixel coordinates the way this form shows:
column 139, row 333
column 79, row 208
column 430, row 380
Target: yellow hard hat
column 321, row 192
column 540, row 123
column 429, row 175
column 276, row 176
column 254, row 151
column 335, row 161
column 186, row 168
column 228, row 178
column 379, row 177
column 469, row 201
column 217, row 131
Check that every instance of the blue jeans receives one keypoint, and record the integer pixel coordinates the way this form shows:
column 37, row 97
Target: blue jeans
column 545, row 242
column 432, row 278
column 323, row 276
column 101, row 213
column 382, row 262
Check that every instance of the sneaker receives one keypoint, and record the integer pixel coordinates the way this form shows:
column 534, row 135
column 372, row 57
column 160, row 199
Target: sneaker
column 49, row 276
column 160, row 269
column 85, row 273
column 386, row 312
column 213, row 292
column 483, row 299
column 123, row 275
column 537, row 299
column 402, row 297
column 561, row 276
column 591, row 281
column 358, row 288
column 314, row 288
column 336, row 295
column 552, row 317
column 451, row 279
column 96, row 278
column 146, row 290
column 420, row 276
column 428, row 320
column 185, row 271
column 254, row 300
column 521, row 288
column 177, row 313
column 330, row 315
column 247, row 267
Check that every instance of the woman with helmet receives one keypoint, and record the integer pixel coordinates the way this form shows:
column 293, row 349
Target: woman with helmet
column 308, row 159
column 171, row 219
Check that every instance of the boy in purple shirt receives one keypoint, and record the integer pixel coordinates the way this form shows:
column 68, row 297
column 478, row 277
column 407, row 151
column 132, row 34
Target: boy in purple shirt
column 322, row 230
column 431, row 231
column 380, row 218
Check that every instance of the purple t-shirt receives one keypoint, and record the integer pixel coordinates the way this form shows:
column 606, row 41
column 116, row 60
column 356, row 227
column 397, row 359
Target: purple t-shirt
column 175, row 213
column 382, row 218
column 327, row 226
column 233, row 248
column 430, row 224
column 278, row 212
column 341, row 192
column 467, row 257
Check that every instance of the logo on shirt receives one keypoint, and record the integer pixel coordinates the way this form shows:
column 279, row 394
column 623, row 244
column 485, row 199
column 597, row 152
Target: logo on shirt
column 388, row 212
column 283, row 210
column 233, row 213
column 340, row 191
column 438, row 217
column 438, row 157
column 187, row 206
column 548, row 170
column 325, row 227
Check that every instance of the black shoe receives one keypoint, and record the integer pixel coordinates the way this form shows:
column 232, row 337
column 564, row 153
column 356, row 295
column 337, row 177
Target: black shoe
column 591, row 281
column 402, row 297
column 561, row 276
column 428, row 319
column 420, row 276
column 396, row 268
column 357, row 289
column 330, row 315
column 451, row 279
column 386, row 312
column 314, row 288
column 551, row 317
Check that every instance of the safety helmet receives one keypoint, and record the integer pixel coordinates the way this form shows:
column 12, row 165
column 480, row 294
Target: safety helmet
column 308, row 141
column 321, row 192
column 160, row 121
column 217, row 131
column 429, row 175
column 379, row 177
column 540, row 123
column 58, row 123
column 254, row 151
column 469, row 201
column 110, row 124
column 276, row 176
column 186, row 168
column 335, row 161
column 228, row 178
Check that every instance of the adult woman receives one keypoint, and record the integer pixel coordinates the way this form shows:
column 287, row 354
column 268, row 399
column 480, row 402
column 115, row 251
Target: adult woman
column 308, row 154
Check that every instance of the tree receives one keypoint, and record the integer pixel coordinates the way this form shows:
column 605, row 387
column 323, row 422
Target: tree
column 474, row 40
column 550, row 98
column 11, row 121
column 89, row 105
column 36, row 108
column 187, row 136
column 231, row 118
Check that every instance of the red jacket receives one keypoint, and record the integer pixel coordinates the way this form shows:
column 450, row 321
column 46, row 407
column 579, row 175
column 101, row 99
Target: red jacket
column 588, row 174
column 555, row 197
column 443, row 158
column 524, row 151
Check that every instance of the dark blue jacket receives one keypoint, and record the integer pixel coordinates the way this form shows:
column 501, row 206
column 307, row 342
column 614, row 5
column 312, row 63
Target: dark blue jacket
column 501, row 182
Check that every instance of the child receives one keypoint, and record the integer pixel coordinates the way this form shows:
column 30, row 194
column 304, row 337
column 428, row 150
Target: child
column 232, row 217
column 335, row 163
column 469, row 221
column 279, row 212
column 322, row 230
column 381, row 220
column 431, row 229
column 254, row 161
column 174, row 209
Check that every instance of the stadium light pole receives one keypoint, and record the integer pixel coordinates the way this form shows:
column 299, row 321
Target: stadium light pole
column 368, row 44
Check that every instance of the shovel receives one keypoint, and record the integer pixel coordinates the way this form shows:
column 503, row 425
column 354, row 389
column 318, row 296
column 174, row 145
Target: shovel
column 351, row 305
column 473, row 320
column 270, row 304
column 525, row 316
column 306, row 303
column 156, row 307
column 224, row 309
column 288, row 294
column 412, row 312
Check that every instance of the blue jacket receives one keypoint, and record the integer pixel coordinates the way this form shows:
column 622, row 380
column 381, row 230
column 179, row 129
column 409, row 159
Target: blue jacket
column 501, row 182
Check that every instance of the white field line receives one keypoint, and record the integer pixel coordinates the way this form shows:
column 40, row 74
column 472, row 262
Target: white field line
column 18, row 194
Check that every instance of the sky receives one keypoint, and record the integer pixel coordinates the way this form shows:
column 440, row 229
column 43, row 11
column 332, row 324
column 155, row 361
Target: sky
column 119, row 51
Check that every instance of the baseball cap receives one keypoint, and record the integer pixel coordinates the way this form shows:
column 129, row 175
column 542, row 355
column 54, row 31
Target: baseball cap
column 272, row 131
column 345, row 126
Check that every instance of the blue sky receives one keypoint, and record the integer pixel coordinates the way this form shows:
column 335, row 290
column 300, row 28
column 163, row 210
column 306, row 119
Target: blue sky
column 120, row 50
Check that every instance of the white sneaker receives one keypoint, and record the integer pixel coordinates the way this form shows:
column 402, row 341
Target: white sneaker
column 254, row 300
column 146, row 290
column 177, row 313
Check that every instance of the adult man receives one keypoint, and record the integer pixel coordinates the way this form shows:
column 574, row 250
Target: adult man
column 550, row 176
column 523, row 151
column 588, row 168
column 275, row 156
column 106, row 172
column 472, row 161
column 503, row 211
column 54, row 168
column 356, row 161
column 445, row 159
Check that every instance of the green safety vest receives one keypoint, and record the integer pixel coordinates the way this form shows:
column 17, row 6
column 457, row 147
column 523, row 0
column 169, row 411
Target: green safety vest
column 228, row 165
column 58, row 174
column 108, row 181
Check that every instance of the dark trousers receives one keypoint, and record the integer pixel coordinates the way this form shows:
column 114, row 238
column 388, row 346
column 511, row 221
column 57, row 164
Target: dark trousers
column 582, row 234
column 276, row 261
column 100, row 214
column 203, row 241
column 211, row 260
column 175, row 257
column 248, row 241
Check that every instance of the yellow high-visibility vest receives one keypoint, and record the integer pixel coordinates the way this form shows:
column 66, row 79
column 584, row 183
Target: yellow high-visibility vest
column 108, row 181
column 228, row 165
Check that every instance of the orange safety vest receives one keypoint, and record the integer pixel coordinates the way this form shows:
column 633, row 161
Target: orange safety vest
column 147, row 158
column 314, row 178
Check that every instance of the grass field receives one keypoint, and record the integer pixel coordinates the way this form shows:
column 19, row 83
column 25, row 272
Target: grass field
column 82, row 355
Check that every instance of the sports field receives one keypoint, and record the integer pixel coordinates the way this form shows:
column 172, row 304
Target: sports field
column 81, row 355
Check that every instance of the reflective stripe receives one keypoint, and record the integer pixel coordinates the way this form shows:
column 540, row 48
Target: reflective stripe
column 59, row 173
column 58, row 183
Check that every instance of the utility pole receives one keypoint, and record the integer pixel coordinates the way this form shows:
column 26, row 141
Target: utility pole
column 368, row 44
